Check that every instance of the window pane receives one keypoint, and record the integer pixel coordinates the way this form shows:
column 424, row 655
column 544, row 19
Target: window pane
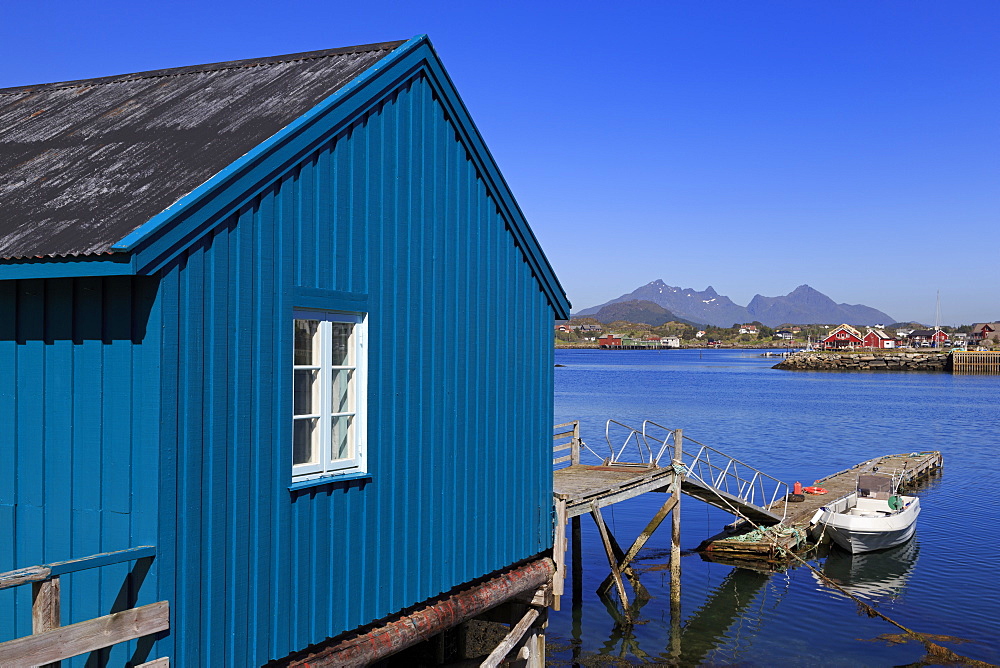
column 342, row 392
column 306, row 342
column 341, row 438
column 341, row 344
column 306, row 392
column 303, row 441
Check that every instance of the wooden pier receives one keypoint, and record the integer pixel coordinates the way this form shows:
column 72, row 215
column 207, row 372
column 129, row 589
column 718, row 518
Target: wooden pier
column 769, row 526
column 973, row 361
column 744, row 544
column 579, row 489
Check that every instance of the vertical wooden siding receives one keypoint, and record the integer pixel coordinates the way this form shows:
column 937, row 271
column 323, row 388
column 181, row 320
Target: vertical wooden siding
column 460, row 397
column 79, row 417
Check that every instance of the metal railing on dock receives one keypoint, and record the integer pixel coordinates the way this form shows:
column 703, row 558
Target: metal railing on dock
column 719, row 472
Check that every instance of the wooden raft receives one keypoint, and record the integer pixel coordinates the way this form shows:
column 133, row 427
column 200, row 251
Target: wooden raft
column 911, row 467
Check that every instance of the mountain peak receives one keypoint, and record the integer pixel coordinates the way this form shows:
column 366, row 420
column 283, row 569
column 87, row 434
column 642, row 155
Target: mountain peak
column 804, row 305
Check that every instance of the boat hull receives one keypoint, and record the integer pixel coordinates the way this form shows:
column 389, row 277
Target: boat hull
column 858, row 533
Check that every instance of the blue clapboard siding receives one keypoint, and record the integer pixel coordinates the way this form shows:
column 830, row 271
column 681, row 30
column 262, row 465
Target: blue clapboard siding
column 79, row 390
column 391, row 212
column 157, row 410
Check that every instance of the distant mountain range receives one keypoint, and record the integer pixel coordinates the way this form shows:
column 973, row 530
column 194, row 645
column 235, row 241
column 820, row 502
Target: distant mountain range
column 802, row 306
column 638, row 310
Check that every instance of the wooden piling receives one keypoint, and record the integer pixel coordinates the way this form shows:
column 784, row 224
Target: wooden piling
column 595, row 512
column 675, row 536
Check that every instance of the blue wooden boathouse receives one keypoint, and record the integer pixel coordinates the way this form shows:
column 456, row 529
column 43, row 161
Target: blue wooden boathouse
column 222, row 390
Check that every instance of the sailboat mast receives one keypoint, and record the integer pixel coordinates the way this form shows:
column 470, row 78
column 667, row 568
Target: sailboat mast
column 937, row 317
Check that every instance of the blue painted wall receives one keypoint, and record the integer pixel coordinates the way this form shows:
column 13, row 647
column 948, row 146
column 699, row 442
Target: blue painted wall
column 79, row 367
column 391, row 215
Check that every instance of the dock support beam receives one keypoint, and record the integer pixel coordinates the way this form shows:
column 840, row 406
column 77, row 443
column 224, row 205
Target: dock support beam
column 675, row 547
column 647, row 533
column 595, row 512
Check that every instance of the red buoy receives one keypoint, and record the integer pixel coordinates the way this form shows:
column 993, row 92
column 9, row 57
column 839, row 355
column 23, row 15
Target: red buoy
column 798, row 488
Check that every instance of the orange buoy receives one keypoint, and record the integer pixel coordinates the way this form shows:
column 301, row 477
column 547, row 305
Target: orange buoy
column 814, row 490
column 797, row 488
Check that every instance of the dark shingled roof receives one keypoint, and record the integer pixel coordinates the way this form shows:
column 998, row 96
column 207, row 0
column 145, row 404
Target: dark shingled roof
column 84, row 163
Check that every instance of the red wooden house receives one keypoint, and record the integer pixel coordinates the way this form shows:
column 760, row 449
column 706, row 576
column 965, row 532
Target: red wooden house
column 876, row 338
column 924, row 338
column 609, row 340
column 843, row 336
column 984, row 331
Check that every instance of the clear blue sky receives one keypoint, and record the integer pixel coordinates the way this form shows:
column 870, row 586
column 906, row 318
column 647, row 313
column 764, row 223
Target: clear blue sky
column 748, row 145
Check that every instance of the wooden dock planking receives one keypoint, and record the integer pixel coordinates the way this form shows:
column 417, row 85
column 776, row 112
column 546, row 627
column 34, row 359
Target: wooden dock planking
column 582, row 485
column 911, row 466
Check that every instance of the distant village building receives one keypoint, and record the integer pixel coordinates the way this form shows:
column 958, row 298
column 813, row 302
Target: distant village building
column 748, row 329
column 843, row 336
column 877, row 338
column 784, row 334
column 927, row 338
column 609, row 340
column 700, row 333
column 983, row 333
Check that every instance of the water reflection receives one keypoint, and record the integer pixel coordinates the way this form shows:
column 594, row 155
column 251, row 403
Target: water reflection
column 874, row 576
column 707, row 629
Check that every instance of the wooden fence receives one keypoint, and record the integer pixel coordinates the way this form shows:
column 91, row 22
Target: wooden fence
column 973, row 361
column 50, row 643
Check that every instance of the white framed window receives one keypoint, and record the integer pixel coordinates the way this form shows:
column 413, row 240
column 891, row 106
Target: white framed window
column 329, row 384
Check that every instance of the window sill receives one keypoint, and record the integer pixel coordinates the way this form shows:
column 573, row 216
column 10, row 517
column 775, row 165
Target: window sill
column 328, row 480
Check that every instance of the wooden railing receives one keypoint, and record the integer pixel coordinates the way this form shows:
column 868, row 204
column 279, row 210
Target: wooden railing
column 50, row 643
column 561, row 442
column 975, row 361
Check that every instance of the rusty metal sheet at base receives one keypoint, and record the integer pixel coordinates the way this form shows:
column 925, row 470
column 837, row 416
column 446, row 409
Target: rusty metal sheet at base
column 429, row 620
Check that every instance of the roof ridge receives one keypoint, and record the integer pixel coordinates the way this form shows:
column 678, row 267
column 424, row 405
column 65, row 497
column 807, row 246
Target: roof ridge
column 201, row 69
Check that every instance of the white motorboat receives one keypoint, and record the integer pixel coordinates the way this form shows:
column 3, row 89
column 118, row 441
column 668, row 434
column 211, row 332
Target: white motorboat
column 873, row 517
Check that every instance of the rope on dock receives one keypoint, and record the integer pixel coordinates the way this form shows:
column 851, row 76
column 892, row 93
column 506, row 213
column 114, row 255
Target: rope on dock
column 937, row 652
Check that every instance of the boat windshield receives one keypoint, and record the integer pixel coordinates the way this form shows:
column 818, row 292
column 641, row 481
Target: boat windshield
column 874, row 486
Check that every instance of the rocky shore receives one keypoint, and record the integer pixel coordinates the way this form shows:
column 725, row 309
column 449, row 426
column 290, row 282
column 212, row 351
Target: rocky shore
column 867, row 361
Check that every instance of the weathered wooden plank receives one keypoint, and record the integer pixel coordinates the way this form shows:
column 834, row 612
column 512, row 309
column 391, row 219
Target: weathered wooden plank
column 599, row 520
column 46, row 608
column 510, row 640
column 156, row 663
column 643, row 537
column 23, row 576
column 69, row 641
column 559, row 551
column 579, row 506
column 38, row 573
column 45, row 605
column 564, row 446
column 103, row 559
column 565, row 434
column 560, row 460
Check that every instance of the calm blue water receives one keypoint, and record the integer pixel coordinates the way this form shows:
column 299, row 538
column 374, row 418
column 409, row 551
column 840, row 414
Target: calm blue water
column 795, row 426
